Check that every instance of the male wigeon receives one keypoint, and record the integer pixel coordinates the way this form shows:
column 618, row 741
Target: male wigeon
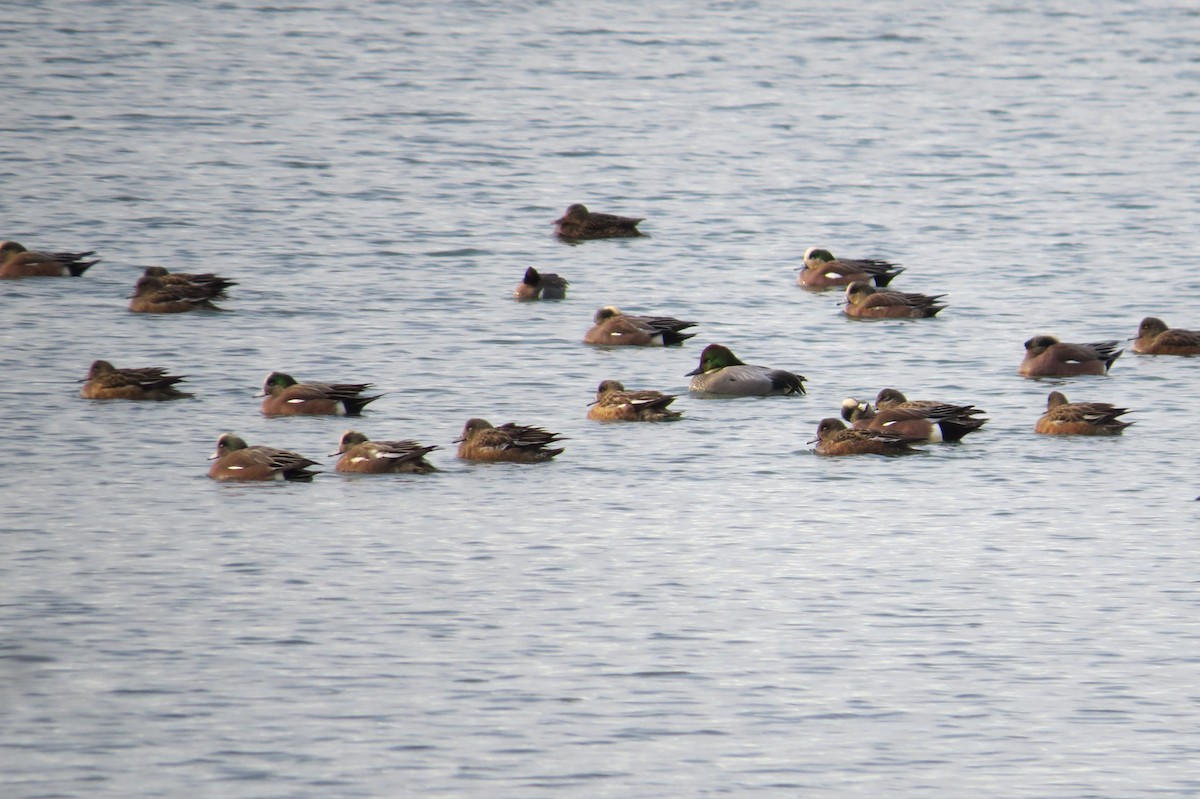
column 721, row 372
column 864, row 301
column 1046, row 356
column 16, row 261
column 833, row 438
column 614, row 403
column 1155, row 338
column 512, row 443
column 152, row 295
column 215, row 283
column 935, row 422
column 237, row 461
column 104, row 381
column 611, row 327
column 541, row 285
column 579, row 223
column 284, row 396
column 1063, row 418
column 363, row 456
column 822, row 271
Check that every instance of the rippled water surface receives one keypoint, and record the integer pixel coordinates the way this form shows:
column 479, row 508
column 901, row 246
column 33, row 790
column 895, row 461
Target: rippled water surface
column 702, row 608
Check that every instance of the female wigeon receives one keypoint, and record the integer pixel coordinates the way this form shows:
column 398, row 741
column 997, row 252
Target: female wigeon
column 1155, row 338
column 511, row 443
column 360, row 455
column 614, row 403
column 612, row 328
column 237, row 461
column 541, row 285
column 579, row 223
column 1046, row 356
column 152, row 295
column 833, row 439
column 721, row 372
column 864, row 301
column 104, row 381
column 1064, row 418
column 214, row 283
column 16, row 261
column 284, row 396
column 822, row 271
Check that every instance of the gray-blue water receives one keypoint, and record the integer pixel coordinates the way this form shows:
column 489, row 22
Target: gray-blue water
column 703, row 608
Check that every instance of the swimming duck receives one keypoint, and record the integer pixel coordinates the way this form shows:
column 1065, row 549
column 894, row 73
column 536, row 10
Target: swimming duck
column 239, row 462
column 578, row 223
column 864, row 301
column 1064, row 418
column 1155, row 338
column 363, row 456
column 611, row 327
column 512, row 443
column 721, row 372
column 821, row 270
column 615, row 403
column 541, row 285
column 1046, row 356
column 834, row 439
column 105, row 381
column 284, row 396
column 16, row 261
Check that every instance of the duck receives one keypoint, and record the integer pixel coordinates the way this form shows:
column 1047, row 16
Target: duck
column 1155, row 338
column 511, row 443
column 360, row 455
column 614, row 403
column 285, row 396
column 611, row 327
column 864, row 301
column 835, row 439
column 235, row 461
column 104, row 381
column 894, row 398
column 17, row 262
column 722, row 372
column 152, row 295
column 1046, row 356
column 541, row 286
column 933, row 422
column 578, row 223
column 215, row 283
column 1063, row 418
column 822, row 271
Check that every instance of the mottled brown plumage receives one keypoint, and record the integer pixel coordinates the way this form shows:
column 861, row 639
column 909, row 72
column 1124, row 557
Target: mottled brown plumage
column 512, row 443
column 1063, row 418
column 578, row 223
column 834, row 439
column 362, row 456
column 1155, row 338
column 864, row 301
column 105, row 381
column 152, row 295
column 614, row 403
